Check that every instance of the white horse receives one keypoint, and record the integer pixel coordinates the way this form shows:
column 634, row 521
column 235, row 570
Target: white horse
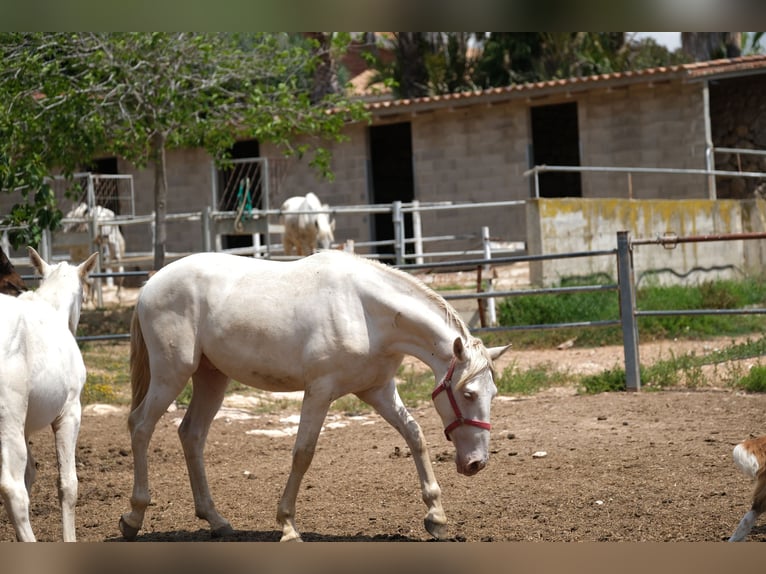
column 329, row 324
column 310, row 227
column 41, row 376
column 109, row 238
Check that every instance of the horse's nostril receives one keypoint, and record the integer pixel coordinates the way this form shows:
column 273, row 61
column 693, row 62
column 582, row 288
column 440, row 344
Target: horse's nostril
column 475, row 466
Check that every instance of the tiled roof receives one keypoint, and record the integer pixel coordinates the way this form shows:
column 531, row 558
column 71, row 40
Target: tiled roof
column 682, row 72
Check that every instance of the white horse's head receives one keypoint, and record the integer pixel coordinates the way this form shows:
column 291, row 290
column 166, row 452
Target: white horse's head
column 463, row 399
column 62, row 285
column 325, row 229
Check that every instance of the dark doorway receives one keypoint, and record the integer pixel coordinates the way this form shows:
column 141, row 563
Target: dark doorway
column 107, row 190
column 227, row 181
column 104, row 165
column 392, row 180
column 556, row 141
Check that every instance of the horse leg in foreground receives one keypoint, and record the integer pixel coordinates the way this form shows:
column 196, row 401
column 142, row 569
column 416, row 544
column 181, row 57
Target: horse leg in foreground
column 750, row 458
column 389, row 405
column 36, row 393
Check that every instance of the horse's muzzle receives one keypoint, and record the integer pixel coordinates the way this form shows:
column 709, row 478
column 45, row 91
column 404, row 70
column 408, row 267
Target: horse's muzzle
column 473, row 467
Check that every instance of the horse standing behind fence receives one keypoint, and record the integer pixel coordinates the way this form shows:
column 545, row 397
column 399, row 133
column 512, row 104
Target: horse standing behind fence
column 41, row 376
column 11, row 282
column 310, row 227
column 109, row 238
column 329, row 324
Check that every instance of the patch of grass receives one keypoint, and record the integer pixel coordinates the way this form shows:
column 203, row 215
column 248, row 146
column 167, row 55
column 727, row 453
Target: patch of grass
column 754, row 381
column 604, row 306
column 108, row 374
column 610, row 380
column 515, row 381
column 351, row 405
column 416, row 386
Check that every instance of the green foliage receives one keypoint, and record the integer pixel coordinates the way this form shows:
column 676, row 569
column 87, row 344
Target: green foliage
column 604, row 305
column 754, row 381
column 720, row 294
column 416, row 386
column 514, row 380
column 63, row 96
column 609, row 380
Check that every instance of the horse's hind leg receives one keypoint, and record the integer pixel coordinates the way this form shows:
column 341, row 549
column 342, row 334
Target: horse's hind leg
column 141, row 424
column 66, row 428
column 386, row 401
column 13, row 465
column 207, row 396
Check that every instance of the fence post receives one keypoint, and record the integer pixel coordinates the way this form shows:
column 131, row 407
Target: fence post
column 627, row 293
column 417, row 231
column 205, row 217
column 396, row 216
column 488, row 268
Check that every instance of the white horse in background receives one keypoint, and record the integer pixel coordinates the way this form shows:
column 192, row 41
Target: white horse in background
column 109, row 240
column 308, row 228
column 41, row 376
column 213, row 317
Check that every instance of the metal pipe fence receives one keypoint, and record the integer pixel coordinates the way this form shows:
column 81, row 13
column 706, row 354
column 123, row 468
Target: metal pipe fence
column 625, row 287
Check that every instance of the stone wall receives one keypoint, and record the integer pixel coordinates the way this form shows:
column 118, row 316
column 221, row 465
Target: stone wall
column 738, row 120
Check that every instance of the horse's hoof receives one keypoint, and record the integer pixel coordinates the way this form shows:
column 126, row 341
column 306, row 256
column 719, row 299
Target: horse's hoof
column 222, row 531
column 128, row 532
column 437, row 530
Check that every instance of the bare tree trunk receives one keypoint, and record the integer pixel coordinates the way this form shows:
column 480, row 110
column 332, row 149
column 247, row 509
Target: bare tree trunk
column 326, row 73
column 160, row 199
column 414, row 74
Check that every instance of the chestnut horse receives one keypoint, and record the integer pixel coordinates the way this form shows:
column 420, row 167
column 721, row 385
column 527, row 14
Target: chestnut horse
column 11, row 282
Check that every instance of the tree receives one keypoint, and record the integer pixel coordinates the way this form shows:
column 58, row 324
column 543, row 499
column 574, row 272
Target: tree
column 702, row 46
column 137, row 95
column 445, row 62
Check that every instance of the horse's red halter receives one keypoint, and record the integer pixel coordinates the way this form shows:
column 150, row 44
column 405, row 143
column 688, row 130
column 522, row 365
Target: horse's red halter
column 445, row 385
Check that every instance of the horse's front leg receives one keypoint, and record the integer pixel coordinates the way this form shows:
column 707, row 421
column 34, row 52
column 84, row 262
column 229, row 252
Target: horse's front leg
column 386, row 401
column 209, row 389
column 66, row 429
column 313, row 412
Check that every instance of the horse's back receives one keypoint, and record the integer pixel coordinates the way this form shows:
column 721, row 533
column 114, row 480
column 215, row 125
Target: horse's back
column 263, row 322
column 39, row 360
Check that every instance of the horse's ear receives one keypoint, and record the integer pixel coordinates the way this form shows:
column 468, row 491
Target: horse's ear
column 37, row 261
column 458, row 349
column 87, row 266
column 496, row 352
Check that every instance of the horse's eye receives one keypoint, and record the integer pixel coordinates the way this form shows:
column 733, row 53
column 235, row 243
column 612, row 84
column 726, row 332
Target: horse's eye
column 469, row 395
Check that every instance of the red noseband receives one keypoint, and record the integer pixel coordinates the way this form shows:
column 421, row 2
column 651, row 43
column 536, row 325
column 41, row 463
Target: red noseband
column 446, row 385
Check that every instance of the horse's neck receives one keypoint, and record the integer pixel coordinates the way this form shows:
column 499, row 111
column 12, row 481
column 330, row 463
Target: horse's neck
column 425, row 326
column 63, row 307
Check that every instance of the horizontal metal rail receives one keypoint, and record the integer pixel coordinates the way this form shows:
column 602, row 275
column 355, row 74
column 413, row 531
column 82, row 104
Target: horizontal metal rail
column 674, row 312
column 545, row 291
column 581, row 324
column 673, row 240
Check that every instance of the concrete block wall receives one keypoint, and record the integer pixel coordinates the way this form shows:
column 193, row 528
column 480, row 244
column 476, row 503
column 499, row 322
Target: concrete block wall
column 578, row 225
column 644, row 126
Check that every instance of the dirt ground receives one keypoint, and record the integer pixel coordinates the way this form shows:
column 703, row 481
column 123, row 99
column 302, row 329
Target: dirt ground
column 646, row 466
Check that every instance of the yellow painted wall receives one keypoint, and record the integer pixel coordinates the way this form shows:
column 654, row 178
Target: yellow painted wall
column 579, row 225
